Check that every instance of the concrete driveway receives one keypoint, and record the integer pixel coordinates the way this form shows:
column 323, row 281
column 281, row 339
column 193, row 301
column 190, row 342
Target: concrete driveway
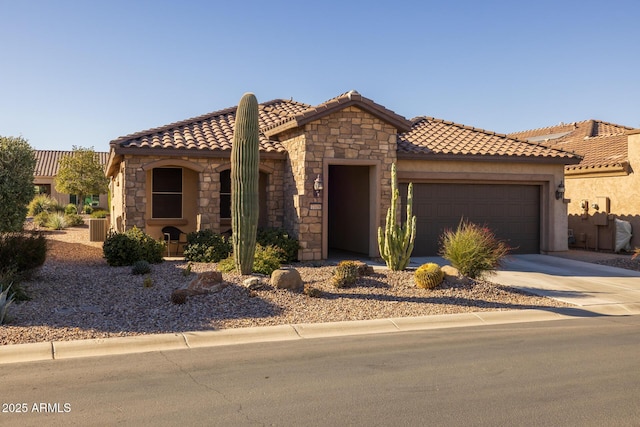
column 594, row 287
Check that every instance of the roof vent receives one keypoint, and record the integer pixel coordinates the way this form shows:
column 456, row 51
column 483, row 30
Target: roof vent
column 352, row 92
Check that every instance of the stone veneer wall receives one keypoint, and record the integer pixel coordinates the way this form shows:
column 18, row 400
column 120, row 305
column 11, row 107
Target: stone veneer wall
column 349, row 134
column 134, row 196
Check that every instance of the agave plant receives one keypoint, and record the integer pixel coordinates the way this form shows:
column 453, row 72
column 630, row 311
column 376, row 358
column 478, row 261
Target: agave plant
column 5, row 301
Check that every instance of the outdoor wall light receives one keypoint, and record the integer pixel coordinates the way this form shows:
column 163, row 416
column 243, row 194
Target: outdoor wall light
column 560, row 191
column 318, row 185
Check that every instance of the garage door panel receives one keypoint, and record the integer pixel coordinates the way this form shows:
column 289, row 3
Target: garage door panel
column 512, row 212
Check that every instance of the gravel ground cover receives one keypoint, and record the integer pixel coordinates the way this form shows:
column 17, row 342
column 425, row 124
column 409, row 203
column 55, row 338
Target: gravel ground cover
column 76, row 295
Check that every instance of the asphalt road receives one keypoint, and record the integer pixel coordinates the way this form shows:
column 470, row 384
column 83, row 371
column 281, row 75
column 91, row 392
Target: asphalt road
column 582, row 372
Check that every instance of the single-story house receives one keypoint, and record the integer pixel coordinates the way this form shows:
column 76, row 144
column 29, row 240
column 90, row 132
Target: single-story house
column 47, row 165
column 179, row 175
column 602, row 187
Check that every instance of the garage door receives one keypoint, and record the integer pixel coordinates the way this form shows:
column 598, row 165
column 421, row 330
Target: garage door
column 512, row 212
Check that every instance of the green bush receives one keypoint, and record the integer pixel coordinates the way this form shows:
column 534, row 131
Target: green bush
column 41, row 219
column 345, row 274
column 140, row 267
column 428, row 276
column 70, row 209
column 56, row 221
column 17, row 166
column 99, row 213
column 20, row 254
column 73, row 220
column 42, row 203
column 87, row 209
column 266, row 261
column 133, row 245
column 472, row 249
column 281, row 239
column 206, row 246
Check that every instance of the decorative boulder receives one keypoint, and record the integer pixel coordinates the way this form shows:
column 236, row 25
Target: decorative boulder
column 287, row 278
column 254, row 283
column 207, row 283
column 452, row 275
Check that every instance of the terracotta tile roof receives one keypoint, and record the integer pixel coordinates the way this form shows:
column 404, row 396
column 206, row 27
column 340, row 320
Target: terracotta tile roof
column 339, row 102
column 47, row 161
column 601, row 144
column 435, row 137
column 213, row 131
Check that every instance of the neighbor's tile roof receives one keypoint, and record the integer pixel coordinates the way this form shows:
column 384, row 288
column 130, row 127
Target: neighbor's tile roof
column 213, row 131
column 47, row 161
column 436, row 137
column 601, row 144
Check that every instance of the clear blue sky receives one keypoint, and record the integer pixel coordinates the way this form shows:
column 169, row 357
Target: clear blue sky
column 85, row 72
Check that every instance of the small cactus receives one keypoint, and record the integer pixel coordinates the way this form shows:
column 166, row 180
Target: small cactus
column 148, row 282
column 345, row 274
column 428, row 276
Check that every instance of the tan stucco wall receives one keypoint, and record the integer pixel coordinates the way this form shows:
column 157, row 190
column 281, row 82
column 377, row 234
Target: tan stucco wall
column 620, row 188
column 63, row 198
column 548, row 176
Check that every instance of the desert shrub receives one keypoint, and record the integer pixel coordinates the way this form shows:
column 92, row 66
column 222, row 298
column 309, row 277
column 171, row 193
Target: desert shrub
column 472, row 249
column 73, row 220
column 428, row 276
column 56, row 221
column 70, row 209
column 99, row 213
column 20, row 254
column 140, row 267
column 281, row 239
column 87, row 209
column 41, row 219
column 266, row 261
column 345, row 274
column 133, row 245
column 41, row 203
column 206, row 246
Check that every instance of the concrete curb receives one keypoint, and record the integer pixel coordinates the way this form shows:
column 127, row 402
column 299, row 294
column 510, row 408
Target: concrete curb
column 188, row 340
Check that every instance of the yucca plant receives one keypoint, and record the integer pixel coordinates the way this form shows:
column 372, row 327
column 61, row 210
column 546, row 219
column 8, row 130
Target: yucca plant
column 5, row 301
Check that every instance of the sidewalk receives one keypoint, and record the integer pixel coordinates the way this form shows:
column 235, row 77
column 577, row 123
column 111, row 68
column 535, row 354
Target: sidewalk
column 594, row 290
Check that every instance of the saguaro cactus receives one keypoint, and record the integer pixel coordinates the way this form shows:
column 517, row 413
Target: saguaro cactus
column 245, row 157
column 396, row 241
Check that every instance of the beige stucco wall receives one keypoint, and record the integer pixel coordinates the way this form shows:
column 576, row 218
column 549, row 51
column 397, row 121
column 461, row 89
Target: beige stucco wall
column 63, row 198
column 548, row 176
column 594, row 229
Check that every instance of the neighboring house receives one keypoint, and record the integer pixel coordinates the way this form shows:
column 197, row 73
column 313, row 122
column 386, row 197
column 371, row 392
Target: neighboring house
column 179, row 175
column 604, row 185
column 47, row 164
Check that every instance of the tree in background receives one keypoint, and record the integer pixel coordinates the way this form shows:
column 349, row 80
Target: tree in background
column 17, row 165
column 81, row 173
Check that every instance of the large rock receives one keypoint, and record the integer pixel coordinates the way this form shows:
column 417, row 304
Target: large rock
column 452, row 275
column 208, row 282
column 287, row 278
